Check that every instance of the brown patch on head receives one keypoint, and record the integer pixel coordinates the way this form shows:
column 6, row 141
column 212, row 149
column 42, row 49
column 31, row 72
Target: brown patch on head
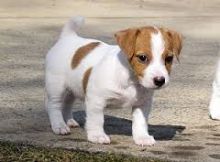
column 126, row 39
column 173, row 46
column 82, row 52
column 86, row 78
column 136, row 44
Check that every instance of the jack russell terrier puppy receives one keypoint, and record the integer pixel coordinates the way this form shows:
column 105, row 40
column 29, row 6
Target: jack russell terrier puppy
column 214, row 106
column 103, row 74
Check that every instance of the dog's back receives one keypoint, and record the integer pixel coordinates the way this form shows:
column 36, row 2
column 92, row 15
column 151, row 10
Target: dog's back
column 72, row 56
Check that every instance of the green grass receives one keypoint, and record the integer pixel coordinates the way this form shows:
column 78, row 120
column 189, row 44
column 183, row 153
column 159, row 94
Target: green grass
column 12, row 152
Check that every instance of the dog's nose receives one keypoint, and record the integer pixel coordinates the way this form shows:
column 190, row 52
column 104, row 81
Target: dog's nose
column 159, row 81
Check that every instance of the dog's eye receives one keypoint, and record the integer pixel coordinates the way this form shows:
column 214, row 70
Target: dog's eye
column 169, row 59
column 142, row 58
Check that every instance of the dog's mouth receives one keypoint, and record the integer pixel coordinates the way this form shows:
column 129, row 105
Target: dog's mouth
column 158, row 88
column 155, row 87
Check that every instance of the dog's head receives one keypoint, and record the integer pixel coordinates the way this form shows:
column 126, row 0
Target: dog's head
column 150, row 52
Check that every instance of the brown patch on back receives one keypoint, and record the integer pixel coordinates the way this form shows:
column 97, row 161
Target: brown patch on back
column 83, row 52
column 86, row 78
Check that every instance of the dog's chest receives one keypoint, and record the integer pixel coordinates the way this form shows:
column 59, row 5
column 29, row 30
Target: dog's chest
column 127, row 97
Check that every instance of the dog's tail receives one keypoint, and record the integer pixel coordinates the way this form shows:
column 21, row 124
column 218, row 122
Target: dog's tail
column 72, row 26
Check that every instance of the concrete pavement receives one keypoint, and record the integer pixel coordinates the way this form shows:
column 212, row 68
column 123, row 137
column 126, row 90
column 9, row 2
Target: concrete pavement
column 179, row 120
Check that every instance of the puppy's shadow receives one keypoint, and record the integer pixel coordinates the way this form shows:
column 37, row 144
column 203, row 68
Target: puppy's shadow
column 120, row 126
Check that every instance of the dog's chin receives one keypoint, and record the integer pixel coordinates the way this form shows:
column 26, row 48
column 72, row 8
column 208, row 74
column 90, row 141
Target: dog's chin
column 147, row 85
column 153, row 87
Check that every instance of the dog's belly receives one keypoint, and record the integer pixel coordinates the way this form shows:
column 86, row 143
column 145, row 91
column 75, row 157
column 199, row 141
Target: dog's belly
column 116, row 103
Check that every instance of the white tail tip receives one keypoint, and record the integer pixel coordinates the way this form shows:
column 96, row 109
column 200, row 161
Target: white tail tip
column 72, row 26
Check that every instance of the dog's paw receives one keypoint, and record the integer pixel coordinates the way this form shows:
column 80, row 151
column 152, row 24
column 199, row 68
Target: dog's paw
column 214, row 112
column 214, row 116
column 101, row 138
column 145, row 140
column 72, row 123
column 61, row 129
column 214, row 107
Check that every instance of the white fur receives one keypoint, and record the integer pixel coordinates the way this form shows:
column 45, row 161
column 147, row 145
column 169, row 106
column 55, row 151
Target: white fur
column 73, row 25
column 111, row 81
column 214, row 107
column 157, row 67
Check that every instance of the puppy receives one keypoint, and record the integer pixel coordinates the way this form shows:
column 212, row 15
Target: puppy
column 101, row 74
column 214, row 106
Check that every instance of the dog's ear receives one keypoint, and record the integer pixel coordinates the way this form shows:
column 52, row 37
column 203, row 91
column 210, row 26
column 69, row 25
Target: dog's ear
column 175, row 41
column 126, row 40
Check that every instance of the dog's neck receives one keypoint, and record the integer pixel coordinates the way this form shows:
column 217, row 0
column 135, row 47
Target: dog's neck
column 127, row 79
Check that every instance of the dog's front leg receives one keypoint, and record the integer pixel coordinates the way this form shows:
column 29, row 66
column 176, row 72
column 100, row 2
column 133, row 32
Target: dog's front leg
column 140, row 125
column 95, row 120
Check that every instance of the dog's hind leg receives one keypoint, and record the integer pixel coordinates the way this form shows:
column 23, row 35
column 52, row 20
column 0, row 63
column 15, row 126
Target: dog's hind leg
column 67, row 110
column 55, row 91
